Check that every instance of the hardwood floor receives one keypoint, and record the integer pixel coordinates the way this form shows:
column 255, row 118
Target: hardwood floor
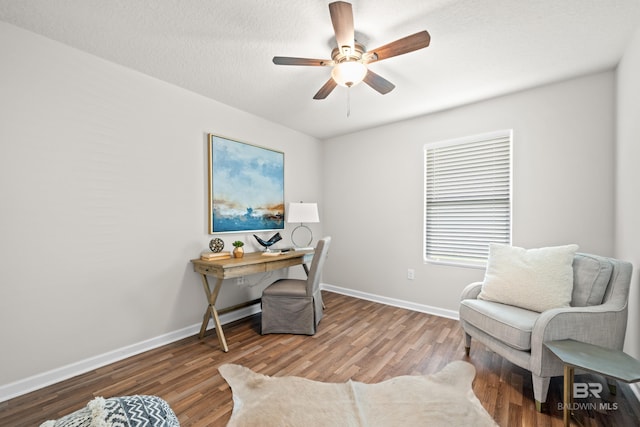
column 357, row 339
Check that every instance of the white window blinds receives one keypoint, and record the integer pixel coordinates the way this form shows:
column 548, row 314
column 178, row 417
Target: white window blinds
column 467, row 197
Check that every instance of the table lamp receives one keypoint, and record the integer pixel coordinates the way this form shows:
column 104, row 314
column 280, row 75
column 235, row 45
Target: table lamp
column 302, row 212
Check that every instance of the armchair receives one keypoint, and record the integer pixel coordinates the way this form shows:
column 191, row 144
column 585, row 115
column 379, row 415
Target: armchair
column 597, row 315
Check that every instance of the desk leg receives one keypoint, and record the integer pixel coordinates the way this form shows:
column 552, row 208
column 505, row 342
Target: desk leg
column 568, row 395
column 211, row 312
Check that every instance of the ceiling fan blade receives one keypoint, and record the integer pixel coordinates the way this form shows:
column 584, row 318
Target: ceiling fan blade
column 378, row 82
column 325, row 90
column 286, row 60
column 399, row 47
column 342, row 20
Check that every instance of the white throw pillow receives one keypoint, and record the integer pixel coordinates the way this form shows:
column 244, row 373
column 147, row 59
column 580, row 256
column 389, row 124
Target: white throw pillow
column 535, row 279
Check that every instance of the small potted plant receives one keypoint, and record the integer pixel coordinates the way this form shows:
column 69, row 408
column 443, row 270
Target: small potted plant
column 238, row 252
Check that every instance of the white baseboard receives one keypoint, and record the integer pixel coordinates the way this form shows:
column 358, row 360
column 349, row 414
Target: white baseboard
column 35, row 382
column 422, row 308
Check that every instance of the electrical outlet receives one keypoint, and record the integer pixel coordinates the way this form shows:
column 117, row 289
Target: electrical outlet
column 411, row 274
column 240, row 280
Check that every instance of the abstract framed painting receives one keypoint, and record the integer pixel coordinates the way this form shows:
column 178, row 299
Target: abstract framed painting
column 246, row 187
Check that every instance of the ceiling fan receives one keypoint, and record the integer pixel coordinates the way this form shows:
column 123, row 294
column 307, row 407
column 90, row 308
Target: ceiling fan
column 350, row 59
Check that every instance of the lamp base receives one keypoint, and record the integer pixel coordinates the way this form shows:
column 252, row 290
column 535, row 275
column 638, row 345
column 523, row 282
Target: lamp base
column 303, row 232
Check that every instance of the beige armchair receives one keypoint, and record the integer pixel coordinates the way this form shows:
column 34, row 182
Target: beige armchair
column 294, row 306
column 597, row 315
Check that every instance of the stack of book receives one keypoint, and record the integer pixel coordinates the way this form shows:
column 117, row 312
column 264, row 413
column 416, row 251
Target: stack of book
column 213, row 256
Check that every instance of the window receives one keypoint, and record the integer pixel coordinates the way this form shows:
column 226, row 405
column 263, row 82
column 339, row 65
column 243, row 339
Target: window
column 467, row 198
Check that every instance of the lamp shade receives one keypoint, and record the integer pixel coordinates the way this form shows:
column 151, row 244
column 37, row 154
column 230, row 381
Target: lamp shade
column 303, row 212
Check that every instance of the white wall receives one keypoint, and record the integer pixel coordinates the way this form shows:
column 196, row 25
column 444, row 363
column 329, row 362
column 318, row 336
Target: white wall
column 563, row 186
column 628, row 181
column 104, row 201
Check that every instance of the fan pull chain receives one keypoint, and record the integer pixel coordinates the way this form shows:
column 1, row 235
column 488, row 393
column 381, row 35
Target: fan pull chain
column 348, row 101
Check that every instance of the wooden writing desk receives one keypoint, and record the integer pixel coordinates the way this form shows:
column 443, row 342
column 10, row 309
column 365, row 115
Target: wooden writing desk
column 251, row 263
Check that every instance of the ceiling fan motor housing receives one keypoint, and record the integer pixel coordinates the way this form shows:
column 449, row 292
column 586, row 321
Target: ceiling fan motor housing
column 345, row 53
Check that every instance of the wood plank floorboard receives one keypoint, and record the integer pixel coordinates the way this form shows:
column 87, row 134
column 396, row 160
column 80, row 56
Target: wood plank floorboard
column 357, row 339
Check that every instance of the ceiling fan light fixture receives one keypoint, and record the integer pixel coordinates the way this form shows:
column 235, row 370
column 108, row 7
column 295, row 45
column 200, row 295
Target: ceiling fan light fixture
column 349, row 73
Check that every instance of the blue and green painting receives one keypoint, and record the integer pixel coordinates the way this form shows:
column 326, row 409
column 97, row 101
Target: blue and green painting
column 247, row 188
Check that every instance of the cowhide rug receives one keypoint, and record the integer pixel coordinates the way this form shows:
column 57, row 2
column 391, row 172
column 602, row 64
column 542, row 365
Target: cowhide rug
column 443, row 399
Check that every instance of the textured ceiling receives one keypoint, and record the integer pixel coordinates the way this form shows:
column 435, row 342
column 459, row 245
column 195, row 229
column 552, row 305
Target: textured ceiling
column 223, row 49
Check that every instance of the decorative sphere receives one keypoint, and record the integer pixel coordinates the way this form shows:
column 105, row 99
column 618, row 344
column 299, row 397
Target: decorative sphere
column 216, row 245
